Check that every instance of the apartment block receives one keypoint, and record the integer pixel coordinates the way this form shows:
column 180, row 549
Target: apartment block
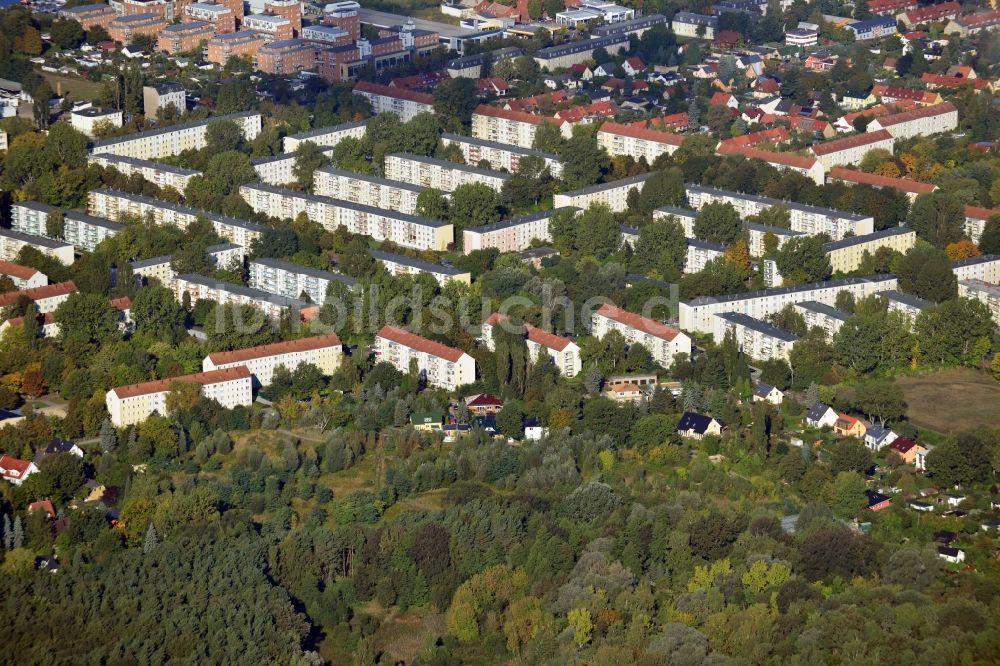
column 344, row 15
column 89, row 16
column 809, row 167
column 184, row 37
column 326, row 136
column 975, row 221
column 158, row 173
column 326, row 35
column 911, row 188
column 581, row 50
column 91, row 119
column 440, row 174
column 513, row 128
column 846, row 254
column 987, row 293
column 154, row 268
column 755, row 338
column 511, row 235
column 565, row 353
column 272, row 28
column 286, row 56
column 985, row 268
column 323, row 351
column 116, row 205
column 637, row 142
column 175, row 139
column 397, row 264
column 132, row 404
column 908, row 304
column 284, row 278
column 683, row 216
column 404, row 103
column 199, row 288
column 278, row 169
column 821, row 315
column 221, row 18
column 224, row 255
column 367, row 190
column 419, row 233
column 31, row 217
column 159, row 96
column 23, row 277
column 86, row 232
column 124, row 29
column 444, row 367
column 287, row 9
column 697, row 315
column 614, row 195
column 694, row 26
column 757, row 233
column 663, row 342
column 239, row 44
column 11, row 243
column 499, row 155
column 922, row 121
column 804, row 218
column 852, row 149
column 699, row 253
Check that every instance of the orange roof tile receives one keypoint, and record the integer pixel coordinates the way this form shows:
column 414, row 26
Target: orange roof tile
column 849, row 142
column 399, row 93
column 772, row 157
column 875, row 180
column 414, row 341
column 203, row 378
column 38, row 293
column 17, row 270
column 642, row 133
column 274, row 349
column 915, row 114
column 977, row 213
column 638, row 322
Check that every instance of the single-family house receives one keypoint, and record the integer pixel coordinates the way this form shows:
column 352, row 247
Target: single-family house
column 43, row 505
column 949, row 554
column 427, row 421
column 624, row 392
column 487, row 422
column 911, row 452
column 483, row 403
column 848, row 426
column 821, row 416
column 877, row 501
column 877, row 437
column 767, row 393
column 951, row 499
column 57, row 446
column 634, row 66
column 923, row 507
column 534, row 430
column 698, row 426
column 454, row 431
column 16, row 470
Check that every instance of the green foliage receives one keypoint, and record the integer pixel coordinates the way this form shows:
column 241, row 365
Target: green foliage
column 718, row 223
column 926, row 272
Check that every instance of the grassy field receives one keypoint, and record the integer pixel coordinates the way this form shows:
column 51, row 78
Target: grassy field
column 952, row 400
column 78, row 88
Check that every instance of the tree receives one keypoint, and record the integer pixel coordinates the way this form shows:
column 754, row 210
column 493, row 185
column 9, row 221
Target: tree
column 108, row 436
column 925, row 271
column 55, row 224
column 222, row 136
column 583, row 626
column 803, row 259
column 454, row 102
column 584, row 160
column 661, row 248
column 880, row 400
column 663, row 188
column 150, row 543
column 40, row 106
column 308, row 158
column 86, row 319
column 432, row 203
column 598, row 232
column 989, row 241
column 275, row 242
column 718, row 222
column 59, row 476
column 66, row 33
column 938, row 218
column 850, row 455
column 954, row 332
column 963, row 249
column 235, row 96
column 960, row 462
column 510, row 421
column 473, row 205
column 158, row 315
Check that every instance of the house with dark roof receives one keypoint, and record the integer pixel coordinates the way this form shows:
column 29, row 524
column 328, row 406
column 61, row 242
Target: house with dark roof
column 767, row 393
column 911, row 452
column 698, row 426
column 949, row 554
column 57, row 446
column 483, row 403
column 821, row 416
column 877, row 437
column 877, row 501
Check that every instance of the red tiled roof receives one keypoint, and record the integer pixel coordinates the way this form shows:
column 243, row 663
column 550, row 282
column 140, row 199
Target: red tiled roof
column 979, row 19
column 933, row 12
column 977, row 213
column 902, row 444
column 43, row 319
column 720, row 99
column 414, row 341
column 784, row 159
column 17, row 270
column 638, row 322
column 43, row 505
column 915, row 114
column 953, row 81
column 807, row 124
column 775, row 135
column 274, row 349
column 844, row 420
column 642, row 133
column 664, row 124
column 203, row 378
column 38, row 293
column 7, row 463
column 850, row 142
column 485, row 400
column 898, row 92
column 494, row 112
column 888, row 5
column 880, row 110
column 535, row 334
column 399, row 93
column 875, row 180
column 123, row 303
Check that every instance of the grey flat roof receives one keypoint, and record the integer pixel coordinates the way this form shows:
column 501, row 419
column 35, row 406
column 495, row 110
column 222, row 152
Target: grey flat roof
column 677, row 212
column 600, row 187
column 320, row 131
column 823, row 309
column 37, row 206
column 581, row 45
column 480, row 58
column 767, row 228
column 180, row 171
column 255, row 294
column 517, row 150
column 759, row 326
column 33, row 239
column 374, row 180
column 304, row 270
column 705, row 245
column 221, row 247
column 972, row 261
column 867, row 238
column 979, row 285
column 424, row 266
column 184, row 210
column 92, row 112
column 768, row 201
column 173, row 128
column 448, row 164
column 93, row 221
column 387, row 20
column 630, row 25
column 152, row 261
column 732, row 298
column 340, row 203
column 907, row 299
column 516, row 221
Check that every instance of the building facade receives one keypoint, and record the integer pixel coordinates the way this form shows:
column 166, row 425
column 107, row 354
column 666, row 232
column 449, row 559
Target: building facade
column 755, row 338
column 284, row 278
column 444, row 367
column 133, row 404
column 367, row 190
column 663, row 342
column 614, row 195
column 442, row 175
column 175, row 139
column 323, row 351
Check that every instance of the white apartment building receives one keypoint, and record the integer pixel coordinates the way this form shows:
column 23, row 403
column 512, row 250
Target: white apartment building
column 699, row 253
column 444, row 367
column 663, row 342
column 117, row 205
column 908, row 304
column 975, row 221
column 580, row 50
column 86, row 232
column 565, row 353
column 30, row 217
column 922, row 121
column 284, row 278
column 46, row 298
column 160, row 96
column 174, row 139
column 827, row 317
column 404, row 103
column 851, row 149
column 11, row 243
column 155, row 268
column 987, row 293
column 513, row 128
column 440, row 174
column 224, row 255
column 985, row 268
column 366, row 190
column 637, row 142
column 694, row 26
column 132, row 404
column 499, row 155
column 755, row 338
column 23, row 277
column 614, row 195
column 278, row 169
column 756, row 233
column 847, row 254
column 511, row 235
column 397, row 264
column 698, row 315
column 323, row 351
column 804, row 218
column 419, row 233
column 91, row 119
column 199, row 287
column 327, row 137
column 684, row 216
column 163, row 175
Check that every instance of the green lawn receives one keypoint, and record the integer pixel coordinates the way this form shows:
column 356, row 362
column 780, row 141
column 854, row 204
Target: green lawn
column 78, row 88
column 952, row 400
